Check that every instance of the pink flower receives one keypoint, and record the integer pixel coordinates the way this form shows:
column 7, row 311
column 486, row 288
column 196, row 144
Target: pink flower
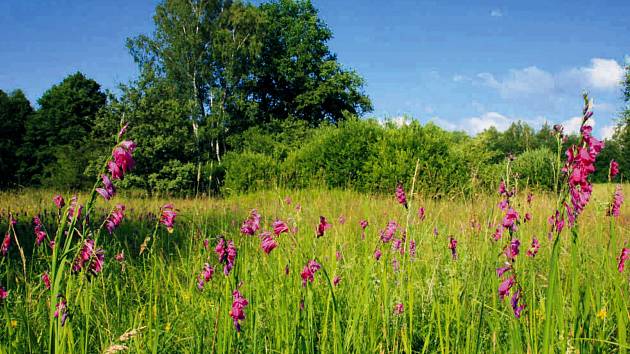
column 115, row 218
column 625, row 254
column 338, row 256
column 505, row 286
column 533, row 250
column 336, row 280
column 395, row 264
column 122, row 161
column 40, row 234
column 227, row 254
column 120, row 257
column 59, row 202
column 168, row 216
column 515, row 306
column 502, row 188
column 61, row 309
column 435, row 231
column 412, row 248
column 512, row 250
column 287, row 200
column 116, row 172
column 280, row 227
column 377, row 254
column 238, row 306
column 109, row 190
column 206, row 276
column 421, row 215
column 46, row 280
column 251, row 224
column 342, row 219
column 122, row 131
column 389, row 232
column 364, row 224
column 615, row 206
column 530, row 196
column 528, row 217
column 3, row 293
column 502, row 270
column 400, row 195
column 323, row 226
column 90, row 257
column 452, row 245
column 613, row 169
column 6, row 244
column 399, row 308
column 309, row 271
column 498, row 233
column 74, row 207
column 510, row 219
column 268, row 243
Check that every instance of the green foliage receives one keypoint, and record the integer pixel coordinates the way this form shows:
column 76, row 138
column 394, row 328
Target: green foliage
column 15, row 109
column 248, row 171
column 174, row 178
column 535, row 168
column 62, row 125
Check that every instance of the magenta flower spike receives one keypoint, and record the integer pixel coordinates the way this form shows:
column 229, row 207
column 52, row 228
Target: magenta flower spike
column 40, row 234
column 452, row 245
column 238, row 306
column 251, row 224
column 6, row 244
column 168, row 216
column 115, row 218
column 3, row 293
column 615, row 206
column 309, row 271
column 625, row 254
column 377, row 254
column 59, row 202
column 533, row 250
column 280, row 227
column 268, row 243
column 322, row 227
column 400, row 195
column 399, row 309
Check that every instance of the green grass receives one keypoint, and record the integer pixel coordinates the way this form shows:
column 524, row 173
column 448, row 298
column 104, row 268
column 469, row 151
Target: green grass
column 449, row 305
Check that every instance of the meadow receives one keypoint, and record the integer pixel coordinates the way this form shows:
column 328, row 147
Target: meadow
column 427, row 302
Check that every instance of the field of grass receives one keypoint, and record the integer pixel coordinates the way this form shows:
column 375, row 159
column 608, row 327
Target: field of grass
column 427, row 302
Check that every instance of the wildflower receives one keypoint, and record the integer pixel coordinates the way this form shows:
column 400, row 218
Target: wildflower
column 309, row 271
column 533, row 250
column 279, row 227
column 120, row 257
column 287, row 200
column 625, row 254
column 338, row 255
column 227, row 254
column 615, row 206
column 59, row 202
column 168, row 216
column 109, row 190
column 502, row 270
column 395, row 264
column 61, row 309
column 268, row 243
column 400, row 195
column 251, row 224
column 412, row 248
column 613, row 169
column 206, row 242
column 511, row 251
column 397, row 245
column 435, row 231
column 602, row 313
column 514, row 302
column 377, row 254
column 84, row 255
column 323, row 226
column 399, row 308
column 502, row 188
column 74, row 211
column 364, row 224
column 97, row 261
column 6, row 244
column 122, row 131
column 530, row 196
column 498, row 233
column 298, row 207
column 122, row 155
column 46, row 280
column 510, row 219
column 342, row 219
column 238, row 306
column 452, row 245
column 389, row 232
column 40, row 234
column 3, row 293
column 206, row 275
column 421, row 214
column 528, row 217
column 336, row 280
column 114, row 219
column 115, row 171
column 505, row 286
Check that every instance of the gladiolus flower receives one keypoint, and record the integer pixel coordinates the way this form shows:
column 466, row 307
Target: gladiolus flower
column 530, row 196
column 280, row 227
column 6, row 244
column 109, row 190
column 510, row 219
column 505, row 286
column 625, row 254
column 227, row 254
column 74, row 207
column 3, row 293
column 533, row 250
column 61, row 309
column 421, row 215
column 46, row 280
column 342, row 219
column 364, row 224
column 395, row 264
column 435, row 231
column 323, row 226
column 59, row 202
column 498, row 233
column 412, row 248
column 389, row 232
column 40, row 234
column 400, row 195
column 614, row 169
column 120, row 257
column 502, row 270
column 287, row 200
column 238, row 306
column 338, row 256
column 122, row 131
column 115, row 218
column 377, row 254
column 512, row 250
column 251, row 224
column 399, row 308
column 168, row 216
column 615, row 206
column 452, row 245
column 515, row 306
column 206, row 275
column 336, row 280
column 268, row 243
column 309, row 271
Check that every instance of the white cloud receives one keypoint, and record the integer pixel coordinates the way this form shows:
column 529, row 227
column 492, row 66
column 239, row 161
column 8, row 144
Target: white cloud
column 521, row 82
column 496, row 13
column 445, row 124
column 474, row 125
column 603, row 73
column 607, row 131
column 572, row 125
column 398, row 121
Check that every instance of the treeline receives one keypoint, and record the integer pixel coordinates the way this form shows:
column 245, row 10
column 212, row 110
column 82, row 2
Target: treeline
column 234, row 97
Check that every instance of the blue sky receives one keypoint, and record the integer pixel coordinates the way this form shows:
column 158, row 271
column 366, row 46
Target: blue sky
column 461, row 64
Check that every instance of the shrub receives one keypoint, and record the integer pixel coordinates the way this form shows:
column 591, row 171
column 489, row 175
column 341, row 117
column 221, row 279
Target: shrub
column 535, row 168
column 248, row 171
